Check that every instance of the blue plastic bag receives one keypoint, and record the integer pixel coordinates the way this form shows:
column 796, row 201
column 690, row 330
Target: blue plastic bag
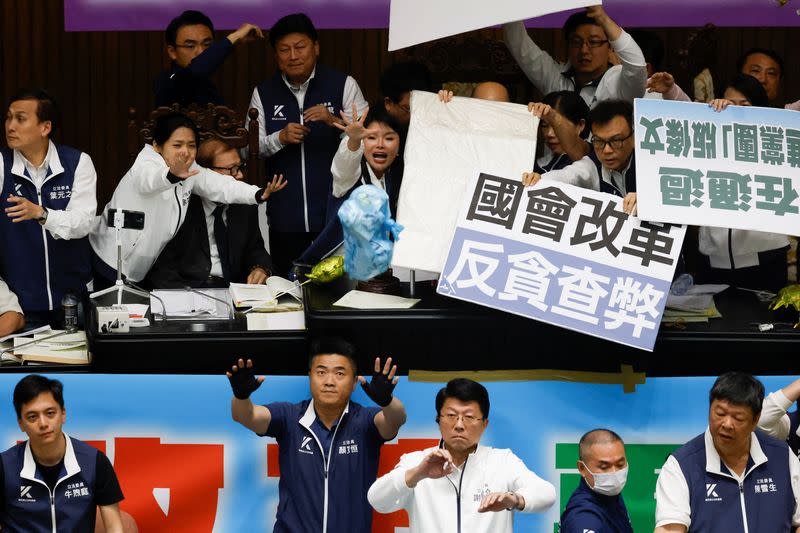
column 367, row 225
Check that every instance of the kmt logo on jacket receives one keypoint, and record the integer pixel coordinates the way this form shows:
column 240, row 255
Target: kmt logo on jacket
column 277, row 112
column 25, row 494
column 305, row 446
column 711, row 493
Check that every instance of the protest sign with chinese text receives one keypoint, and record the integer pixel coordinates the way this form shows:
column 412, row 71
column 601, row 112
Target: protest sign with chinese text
column 738, row 168
column 562, row 255
column 447, row 145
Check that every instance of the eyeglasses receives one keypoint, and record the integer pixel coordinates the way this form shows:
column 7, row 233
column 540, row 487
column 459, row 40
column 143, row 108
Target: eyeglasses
column 469, row 420
column 233, row 169
column 616, row 143
column 192, row 45
column 577, row 42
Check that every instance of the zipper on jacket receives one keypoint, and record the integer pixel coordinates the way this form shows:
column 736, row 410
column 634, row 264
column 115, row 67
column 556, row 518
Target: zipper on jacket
column 46, row 255
column 180, row 212
column 458, row 493
column 744, row 510
column 303, row 177
column 730, row 248
column 53, row 510
column 326, row 468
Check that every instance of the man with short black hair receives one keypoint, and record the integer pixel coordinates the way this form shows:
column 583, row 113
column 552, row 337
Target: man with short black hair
column 766, row 66
column 597, row 504
column 50, row 204
column 396, row 84
column 195, row 58
column 591, row 37
column 733, row 478
column 460, row 481
column 611, row 166
column 329, row 445
column 53, row 482
column 300, row 105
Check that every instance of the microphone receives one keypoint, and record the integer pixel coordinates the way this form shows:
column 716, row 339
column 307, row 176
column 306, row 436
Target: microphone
column 226, row 302
column 153, row 295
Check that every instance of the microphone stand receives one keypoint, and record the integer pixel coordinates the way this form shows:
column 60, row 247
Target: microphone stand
column 227, row 303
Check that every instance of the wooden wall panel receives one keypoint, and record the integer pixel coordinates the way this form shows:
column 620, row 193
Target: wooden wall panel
column 97, row 76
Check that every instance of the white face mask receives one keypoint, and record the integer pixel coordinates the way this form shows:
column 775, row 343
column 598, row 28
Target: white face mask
column 609, row 483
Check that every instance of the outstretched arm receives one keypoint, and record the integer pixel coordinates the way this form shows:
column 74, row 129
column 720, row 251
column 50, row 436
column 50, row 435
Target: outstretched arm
column 243, row 382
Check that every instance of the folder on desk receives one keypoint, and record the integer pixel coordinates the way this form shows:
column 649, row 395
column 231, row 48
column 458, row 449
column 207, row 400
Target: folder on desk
column 68, row 348
column 264, row 296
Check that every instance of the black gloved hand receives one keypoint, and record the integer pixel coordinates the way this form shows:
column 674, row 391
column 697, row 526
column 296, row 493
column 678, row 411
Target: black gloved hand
column 243, row 379
column 380, row 387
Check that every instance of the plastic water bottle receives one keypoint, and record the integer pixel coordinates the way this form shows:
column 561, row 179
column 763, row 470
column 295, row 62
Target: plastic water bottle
column 70, row 306
column 682, row 284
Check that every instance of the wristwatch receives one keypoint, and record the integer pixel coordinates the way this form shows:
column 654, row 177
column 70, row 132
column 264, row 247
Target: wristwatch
column 43, row 219
column 514, row 507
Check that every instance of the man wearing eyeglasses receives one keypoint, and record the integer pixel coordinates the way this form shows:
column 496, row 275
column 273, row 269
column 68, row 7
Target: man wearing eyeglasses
column 610, row 166
column 461, row 485
column 591, row 37
column 217, row 243
column 195, row 57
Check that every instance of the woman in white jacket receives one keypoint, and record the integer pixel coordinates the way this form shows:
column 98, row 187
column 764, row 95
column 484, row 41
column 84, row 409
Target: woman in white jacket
column 159, row 183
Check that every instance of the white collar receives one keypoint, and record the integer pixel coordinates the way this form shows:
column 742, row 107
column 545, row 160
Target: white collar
column 301, row 87
column 310, row 415
column 51, row 161
column 714, row 461
column 70, row 461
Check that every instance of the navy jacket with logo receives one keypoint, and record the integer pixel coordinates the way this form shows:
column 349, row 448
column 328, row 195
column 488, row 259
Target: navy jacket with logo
column 589, row 511
column 303, row 205
column 315, row 497
column 27, row 508
column 37, row 267
column 718, row 503
column 610, row 188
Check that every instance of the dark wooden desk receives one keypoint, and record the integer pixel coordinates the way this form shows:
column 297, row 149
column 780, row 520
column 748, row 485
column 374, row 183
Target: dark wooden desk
column 196, row 347
column 441, row 333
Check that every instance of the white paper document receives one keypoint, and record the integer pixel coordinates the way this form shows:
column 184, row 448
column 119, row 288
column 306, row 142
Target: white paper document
column 199, row 304
column 417, row 21
column 264, row 295
column 369, row 300
column 448, row 146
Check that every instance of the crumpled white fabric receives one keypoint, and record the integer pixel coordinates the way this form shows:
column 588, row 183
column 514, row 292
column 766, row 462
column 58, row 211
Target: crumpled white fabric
column 448, row 146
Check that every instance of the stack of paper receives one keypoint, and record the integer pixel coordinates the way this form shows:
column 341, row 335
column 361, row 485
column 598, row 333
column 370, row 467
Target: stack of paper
column 52, row 347
column 200, row 304
column 697, row 305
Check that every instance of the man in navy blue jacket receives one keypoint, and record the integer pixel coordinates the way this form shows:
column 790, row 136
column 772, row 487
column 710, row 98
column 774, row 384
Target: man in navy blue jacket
column 48, row 192
column 329, row 445
column 195, row 58
column 733, row 478
column 597, row 505
column 300, row 105
column 53, row 482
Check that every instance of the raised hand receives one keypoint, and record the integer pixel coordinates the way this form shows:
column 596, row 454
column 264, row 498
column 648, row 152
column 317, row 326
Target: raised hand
column 179, row 165
column 445, row 96
column 719, row 104
column 243, row 380
column 660, row 82
column 246, row 33
column 436, row 465
column 277, row 184
column 530, row 178
column 383, row 382
column 629, row 204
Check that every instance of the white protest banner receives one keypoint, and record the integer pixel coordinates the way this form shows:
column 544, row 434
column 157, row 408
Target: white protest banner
column 738, row 168
column 417, row 21
column 447, row 146
column 563, row 255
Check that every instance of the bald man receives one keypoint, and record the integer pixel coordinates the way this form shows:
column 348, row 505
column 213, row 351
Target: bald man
column 490, row 90
column 597, row 505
